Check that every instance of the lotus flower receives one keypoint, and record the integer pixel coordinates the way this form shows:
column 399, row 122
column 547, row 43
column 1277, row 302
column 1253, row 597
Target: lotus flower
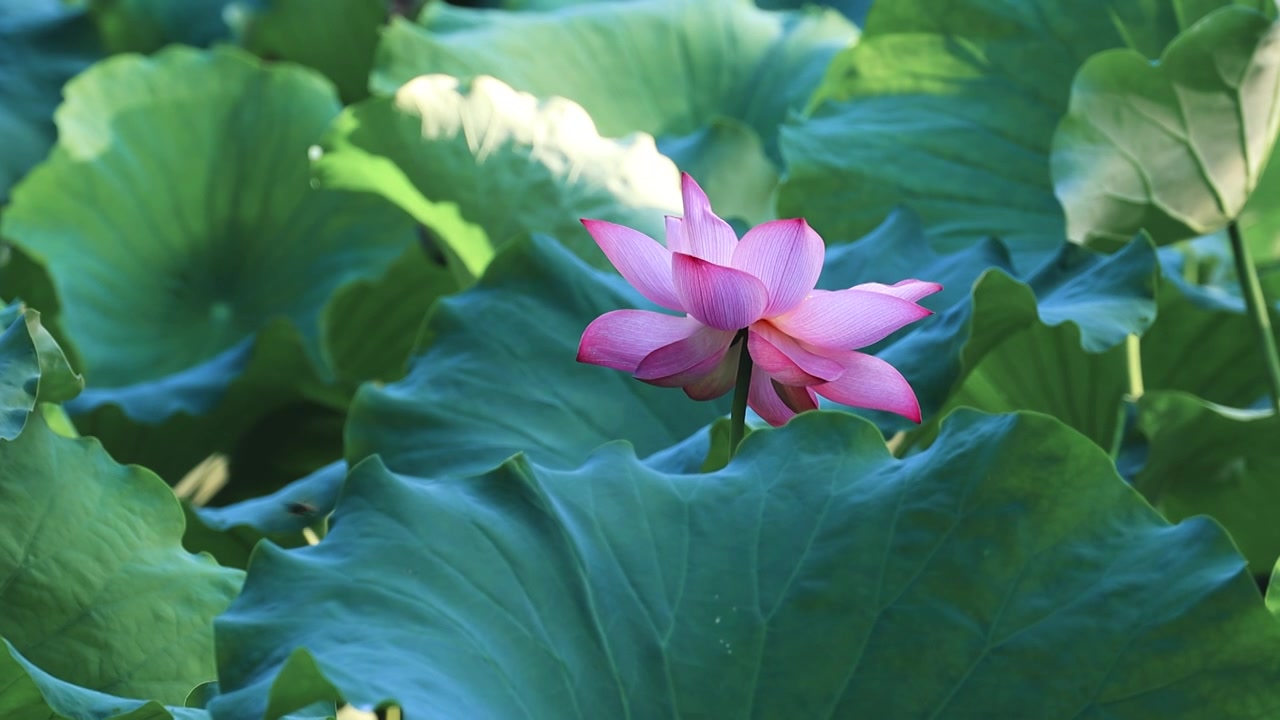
column 759, row 290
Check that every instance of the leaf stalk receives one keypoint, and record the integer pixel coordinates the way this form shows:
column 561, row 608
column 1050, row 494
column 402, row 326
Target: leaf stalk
column 1256, row 304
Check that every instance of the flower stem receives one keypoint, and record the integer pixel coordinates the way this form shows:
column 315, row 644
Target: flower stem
column 1259, row 310
column 738, row 416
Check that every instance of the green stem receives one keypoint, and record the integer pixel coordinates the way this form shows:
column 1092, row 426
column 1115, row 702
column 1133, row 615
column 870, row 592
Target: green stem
column 1258, row 308
column 738, row 416
column 1133, row 352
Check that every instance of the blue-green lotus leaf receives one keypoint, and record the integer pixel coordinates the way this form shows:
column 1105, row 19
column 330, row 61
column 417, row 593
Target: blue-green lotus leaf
column 176, row 220
column 148, row 25
column 41, row 47
column 800, row 581
column 499, row 376
column 951, row 111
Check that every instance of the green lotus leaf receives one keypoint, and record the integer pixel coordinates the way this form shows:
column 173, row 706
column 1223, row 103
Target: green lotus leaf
column 1209, row 459
column 1174, row 148
column 176, row 221
column 211, row 408
column 96, row 587
column 230, row 532
column 335, row 37
column 499, row 376
column 1203, row 343
column 855, row 10
column 147, row 25
column 485, row 163
column 41, row 47
column 33, row 369
column 898, row 249
column 1049, row 343
column 225, row 236
column 370, row 326
column 1014, row 360
column 30, row 692
column 951, row 111
column 668, row 68
column 730, row 162
column 801, row 580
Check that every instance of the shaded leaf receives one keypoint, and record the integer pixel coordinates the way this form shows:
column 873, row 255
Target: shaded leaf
column 144, row 26
column 1209, row 459
column 335, row 37
column 39, row 51
column 32, row 369
column 1042, row 584
column 230, row 532
column 499, row 376
column 950, row 109
column 1016, row 323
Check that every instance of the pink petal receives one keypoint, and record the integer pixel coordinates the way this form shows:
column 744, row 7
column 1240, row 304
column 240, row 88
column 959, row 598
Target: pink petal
column 845, row 319
column 763, row 397
column 722, row 297
column 719, row 380
column 788, row 362
column 787, row 256
column 643, row 261
column 699, row 352
column 799, row 399
column 622, row 338
column 911, row 290
column 870, row 382
column 676, row 241
column 709, row 237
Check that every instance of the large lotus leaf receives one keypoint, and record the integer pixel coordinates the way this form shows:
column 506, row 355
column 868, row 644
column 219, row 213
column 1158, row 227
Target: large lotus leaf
column 206, row 412
column 230, row 532
column 39, row 51
column 32, row 694
column 1259, row 220
column 1173, row 148
column 1204, row 343
column 148, row 25
column 951, row 110
column 800, row 581
column 855, row 10
column 1209, row 459
column 669, row 68
column 500, row 376
column 1015, row 360
column 370, row 327
column 175, row 216
column 95, row 585
column 482, row 164
column 32, row 369
column 898, row 249
column 336, row 37
column 730, row 163
column 1079, row 302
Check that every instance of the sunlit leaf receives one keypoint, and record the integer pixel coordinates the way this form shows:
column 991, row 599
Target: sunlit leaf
column 1174, row 148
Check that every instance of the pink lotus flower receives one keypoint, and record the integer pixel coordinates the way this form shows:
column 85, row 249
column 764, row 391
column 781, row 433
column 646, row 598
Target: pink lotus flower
column 802, row 341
